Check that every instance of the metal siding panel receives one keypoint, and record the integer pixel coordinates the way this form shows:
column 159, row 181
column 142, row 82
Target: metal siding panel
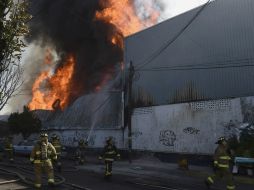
column 221, row 35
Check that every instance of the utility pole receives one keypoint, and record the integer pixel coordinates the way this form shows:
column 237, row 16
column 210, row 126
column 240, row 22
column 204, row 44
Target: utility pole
column 131, row 74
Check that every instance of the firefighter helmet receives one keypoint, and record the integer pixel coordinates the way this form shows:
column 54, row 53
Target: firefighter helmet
column 43, row 135
column 54, row 136
column 220, row 140
column 110, row 139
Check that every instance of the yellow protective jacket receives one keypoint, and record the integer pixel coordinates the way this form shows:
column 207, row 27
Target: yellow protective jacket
column 37, row 155
column 8, row 146
column 56, row 143
column 110, row 153
column 221, row 157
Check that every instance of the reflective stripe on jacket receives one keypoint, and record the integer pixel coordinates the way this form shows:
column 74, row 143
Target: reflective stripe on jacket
column 222, row 157
column 110, row 152
column 36, row 154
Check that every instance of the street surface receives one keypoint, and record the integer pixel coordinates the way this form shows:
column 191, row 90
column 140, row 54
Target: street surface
column 125, row 177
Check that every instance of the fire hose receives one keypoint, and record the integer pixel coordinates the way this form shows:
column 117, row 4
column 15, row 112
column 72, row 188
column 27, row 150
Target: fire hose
column 21, row 177
column 26, row 170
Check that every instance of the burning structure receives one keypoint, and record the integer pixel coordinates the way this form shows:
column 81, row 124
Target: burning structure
column 83, row 43
column 76, row 61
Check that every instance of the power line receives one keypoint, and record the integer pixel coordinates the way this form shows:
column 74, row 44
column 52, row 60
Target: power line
column 198, row 68
column 207, row 65
column 169, row 42
column 219, row 63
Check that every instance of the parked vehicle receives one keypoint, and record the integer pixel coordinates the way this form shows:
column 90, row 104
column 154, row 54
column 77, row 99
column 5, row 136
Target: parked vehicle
column 24, row 147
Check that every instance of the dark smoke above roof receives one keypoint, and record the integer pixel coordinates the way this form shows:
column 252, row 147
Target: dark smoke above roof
column 71, row 28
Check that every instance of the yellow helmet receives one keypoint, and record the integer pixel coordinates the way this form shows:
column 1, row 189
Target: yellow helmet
column 43, row 135
column 220, row 140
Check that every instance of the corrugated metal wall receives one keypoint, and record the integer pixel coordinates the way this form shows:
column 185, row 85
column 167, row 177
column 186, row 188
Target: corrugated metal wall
column 99, row 111
column 212, row 58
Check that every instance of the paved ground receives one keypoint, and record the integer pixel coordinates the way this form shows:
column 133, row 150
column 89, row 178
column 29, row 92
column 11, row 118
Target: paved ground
column 145, row 173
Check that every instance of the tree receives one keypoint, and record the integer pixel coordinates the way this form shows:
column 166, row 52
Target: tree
column 25, row 123
column 13, row 27
column 244, row 146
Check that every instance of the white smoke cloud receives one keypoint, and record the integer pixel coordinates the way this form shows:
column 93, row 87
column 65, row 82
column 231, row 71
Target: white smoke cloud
column 146, row 10
column 31, row 61
column 32, row 64
column 173, row 8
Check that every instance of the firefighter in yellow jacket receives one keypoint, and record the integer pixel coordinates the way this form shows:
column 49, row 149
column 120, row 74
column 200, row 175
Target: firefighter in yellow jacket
column 221, row 164
column 109, row 154
column 55, row 140
column 42, row 156
column 8, row 148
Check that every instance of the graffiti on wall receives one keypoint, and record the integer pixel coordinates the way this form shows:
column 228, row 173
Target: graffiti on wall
column 167, row 137
column 191, row 131
column 137, row 134
column 71, row 139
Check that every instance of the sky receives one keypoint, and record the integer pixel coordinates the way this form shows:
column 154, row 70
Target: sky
column 171, row 8
column 176, row 7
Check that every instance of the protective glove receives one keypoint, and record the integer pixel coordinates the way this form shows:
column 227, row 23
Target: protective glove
column 100, row 158
column 118, row 156
column 31, row 161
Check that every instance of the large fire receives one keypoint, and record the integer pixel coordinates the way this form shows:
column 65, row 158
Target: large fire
column 51, row 91
column 120, row 13
column 47, row 88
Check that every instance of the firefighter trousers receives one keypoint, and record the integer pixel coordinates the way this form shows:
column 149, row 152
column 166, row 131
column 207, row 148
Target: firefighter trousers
column 222, row 173
column 9, row 154
column 108, row 168
column 40, row 167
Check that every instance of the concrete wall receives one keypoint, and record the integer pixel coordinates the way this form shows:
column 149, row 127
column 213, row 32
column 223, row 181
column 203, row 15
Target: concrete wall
column 96, row 140
column 186, row 128
column 180, row 128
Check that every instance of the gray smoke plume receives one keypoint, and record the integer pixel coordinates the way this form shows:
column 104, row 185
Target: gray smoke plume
column 70, row 26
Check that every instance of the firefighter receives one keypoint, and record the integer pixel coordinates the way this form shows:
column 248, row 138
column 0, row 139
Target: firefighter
column 109, row 154
column 221, row 164
column 55, row 140
column 8, row 148
column 80, row 152
column 42, row 155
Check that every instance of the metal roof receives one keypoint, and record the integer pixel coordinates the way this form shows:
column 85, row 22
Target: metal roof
column 102, row 110
column 206, row 53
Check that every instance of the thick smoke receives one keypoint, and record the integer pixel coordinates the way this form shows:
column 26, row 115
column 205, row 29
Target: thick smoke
column 70, row 26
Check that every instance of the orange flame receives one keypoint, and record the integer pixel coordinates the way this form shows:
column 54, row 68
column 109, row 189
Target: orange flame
column 47, row 89
column 121, row 13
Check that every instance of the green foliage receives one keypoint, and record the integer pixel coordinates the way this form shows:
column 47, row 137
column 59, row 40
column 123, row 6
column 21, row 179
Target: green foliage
column 13, row 27
column 14, row 17
column 245, row 146
column 25, row 123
